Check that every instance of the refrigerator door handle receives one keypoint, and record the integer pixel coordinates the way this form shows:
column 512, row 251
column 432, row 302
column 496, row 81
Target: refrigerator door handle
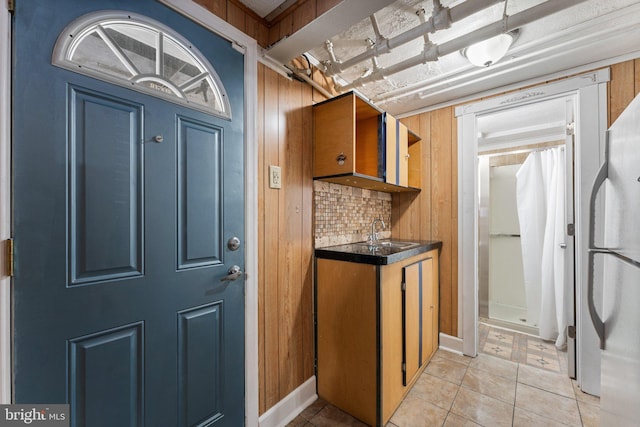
column 603, row 173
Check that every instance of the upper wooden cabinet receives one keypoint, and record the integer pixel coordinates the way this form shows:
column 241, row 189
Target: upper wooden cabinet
column 360, row 145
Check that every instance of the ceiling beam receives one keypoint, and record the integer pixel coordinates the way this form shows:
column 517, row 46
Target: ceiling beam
column 336, row 20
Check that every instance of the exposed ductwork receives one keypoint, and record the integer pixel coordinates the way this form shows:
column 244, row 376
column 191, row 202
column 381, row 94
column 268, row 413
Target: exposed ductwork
column 441, row 18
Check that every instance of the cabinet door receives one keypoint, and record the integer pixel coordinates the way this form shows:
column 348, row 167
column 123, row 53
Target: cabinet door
column 334, row 137
column 397, row 150
column 429, row 310
column 417, row 317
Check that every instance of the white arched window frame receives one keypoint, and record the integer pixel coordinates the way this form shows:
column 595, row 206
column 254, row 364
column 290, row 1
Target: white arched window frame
column 142, row 54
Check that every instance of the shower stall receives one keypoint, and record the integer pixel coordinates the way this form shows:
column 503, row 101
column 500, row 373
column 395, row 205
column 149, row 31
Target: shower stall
column 523, row 282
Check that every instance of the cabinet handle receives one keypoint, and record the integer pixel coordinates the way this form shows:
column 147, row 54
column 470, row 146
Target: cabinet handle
column 341, row 158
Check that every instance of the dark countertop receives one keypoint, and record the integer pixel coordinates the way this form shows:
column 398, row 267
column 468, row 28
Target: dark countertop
column 379, row 255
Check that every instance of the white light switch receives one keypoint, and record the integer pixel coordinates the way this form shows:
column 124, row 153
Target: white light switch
column 275, row 177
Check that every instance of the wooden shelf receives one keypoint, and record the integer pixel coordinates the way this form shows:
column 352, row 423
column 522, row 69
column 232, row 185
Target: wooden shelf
column 357, row 144
column 368, row 183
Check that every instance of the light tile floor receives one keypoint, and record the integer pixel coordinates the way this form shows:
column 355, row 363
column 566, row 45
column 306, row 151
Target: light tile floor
column 489, row 390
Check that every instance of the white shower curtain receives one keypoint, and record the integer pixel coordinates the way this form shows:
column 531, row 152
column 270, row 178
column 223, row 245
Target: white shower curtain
column 541, row 212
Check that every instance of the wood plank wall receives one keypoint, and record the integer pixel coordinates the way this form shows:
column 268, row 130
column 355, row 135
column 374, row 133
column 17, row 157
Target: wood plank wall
column 241, row 17
column 285, row 276
column 267, row 33
column 432, row 214
column 623, row 87
column 297, row 16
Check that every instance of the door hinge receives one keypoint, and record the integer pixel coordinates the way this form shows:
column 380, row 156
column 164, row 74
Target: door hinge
column 11, row 5
column 571, row 332
column 8, row 251
column 571, row 128
column 404, row 367
column 403, row 286
column 571, row 229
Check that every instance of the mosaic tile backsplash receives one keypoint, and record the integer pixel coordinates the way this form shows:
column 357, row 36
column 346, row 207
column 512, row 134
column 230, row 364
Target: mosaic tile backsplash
column 344, row 214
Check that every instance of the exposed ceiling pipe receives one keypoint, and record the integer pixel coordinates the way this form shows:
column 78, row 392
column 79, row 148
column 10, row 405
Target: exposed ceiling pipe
column 311, row 82
column 441, row 19
column 376, row 28
column 432, row 52
column 421, row 16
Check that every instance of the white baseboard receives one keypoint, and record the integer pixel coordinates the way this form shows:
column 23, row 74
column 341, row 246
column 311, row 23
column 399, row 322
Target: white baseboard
column 290, row 407
column 449, row 343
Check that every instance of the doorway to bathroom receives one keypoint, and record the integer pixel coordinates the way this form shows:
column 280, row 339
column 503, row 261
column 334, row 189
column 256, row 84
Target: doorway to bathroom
column 525, row 247
column 589, row 94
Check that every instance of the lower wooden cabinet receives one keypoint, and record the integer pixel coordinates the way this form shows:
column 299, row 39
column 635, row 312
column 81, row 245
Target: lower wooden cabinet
column 377, row 328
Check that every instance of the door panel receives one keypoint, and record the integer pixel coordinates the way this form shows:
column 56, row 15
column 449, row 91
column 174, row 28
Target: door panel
column 199, row 193
column 427, row 321
column 105, row 177
column 412, row 317
column 106, row 371
column 417, row 317
column 200, row 363
column 123, row 203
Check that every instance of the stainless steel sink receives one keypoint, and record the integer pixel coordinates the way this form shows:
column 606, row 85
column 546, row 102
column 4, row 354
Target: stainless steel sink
column 394, row 244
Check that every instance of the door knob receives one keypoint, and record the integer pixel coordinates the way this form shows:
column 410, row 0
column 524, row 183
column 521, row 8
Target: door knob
column 233, row 244
column 233, row 273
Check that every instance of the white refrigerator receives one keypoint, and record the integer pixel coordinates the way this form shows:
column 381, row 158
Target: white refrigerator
column 617, row 321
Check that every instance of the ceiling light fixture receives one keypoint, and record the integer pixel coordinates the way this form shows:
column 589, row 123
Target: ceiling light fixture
column 490, row 51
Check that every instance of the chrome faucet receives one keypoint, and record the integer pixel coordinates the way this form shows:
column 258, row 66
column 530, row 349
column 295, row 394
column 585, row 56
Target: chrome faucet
column 373, row 237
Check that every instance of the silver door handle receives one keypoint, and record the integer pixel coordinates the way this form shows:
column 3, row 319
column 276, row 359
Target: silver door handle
column 234, row 273
column 563, row 245
column 602, row 176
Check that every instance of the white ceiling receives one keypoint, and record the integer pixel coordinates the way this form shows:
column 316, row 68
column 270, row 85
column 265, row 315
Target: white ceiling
column 583, row 35
column 538, row 122
column 262, row 7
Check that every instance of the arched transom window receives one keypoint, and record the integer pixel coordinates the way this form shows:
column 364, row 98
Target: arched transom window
column 136, row 52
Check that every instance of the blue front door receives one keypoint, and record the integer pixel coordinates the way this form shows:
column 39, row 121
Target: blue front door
column 123, row 206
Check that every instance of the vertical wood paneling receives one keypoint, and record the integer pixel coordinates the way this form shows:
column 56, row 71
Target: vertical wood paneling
column 304, row 14
column 441, row 206
column 454, row 225
column 432, row 214
column 241, row 17
column 236, row 17
column 217, row 7
column 424, row 130
column 621, row 88
column 291, row 223
column 323, row 5
column 262, row 178
column 306, row 304
column 637, row 73
column 257, row 30
column 270, row 240
column 274, row 33
column 286, row 255
column 286, row 26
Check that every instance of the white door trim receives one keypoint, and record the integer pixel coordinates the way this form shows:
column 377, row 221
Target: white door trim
column 250, row 47
column 589, row 89
column 5, row 202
